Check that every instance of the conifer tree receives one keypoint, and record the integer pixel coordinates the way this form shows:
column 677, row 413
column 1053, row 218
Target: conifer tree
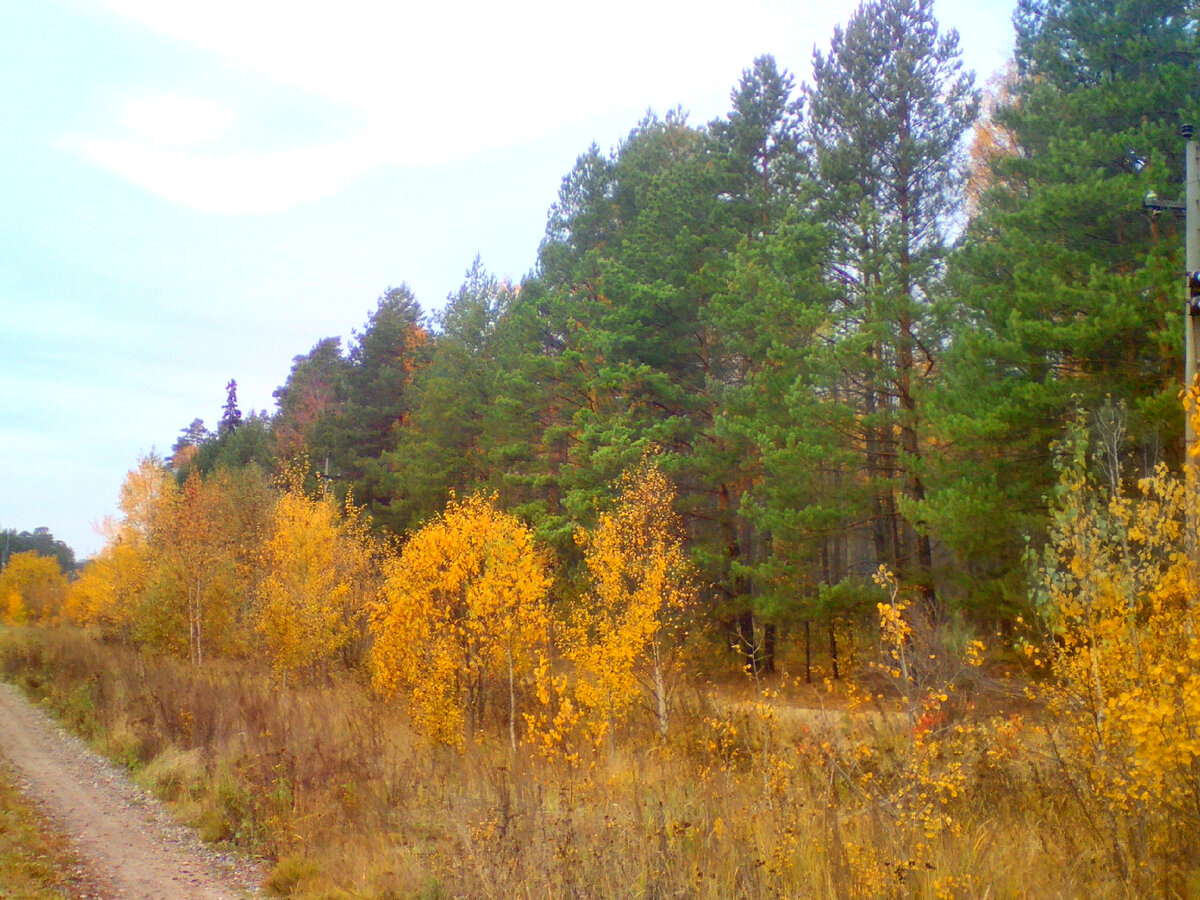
column 1065, row 288
column 888, row 107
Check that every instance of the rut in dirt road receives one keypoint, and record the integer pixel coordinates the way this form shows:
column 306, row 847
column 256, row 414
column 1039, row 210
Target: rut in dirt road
column 128, row 842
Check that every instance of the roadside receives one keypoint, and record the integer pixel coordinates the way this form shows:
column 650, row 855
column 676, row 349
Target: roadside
column 36, row 860
column 126, row 841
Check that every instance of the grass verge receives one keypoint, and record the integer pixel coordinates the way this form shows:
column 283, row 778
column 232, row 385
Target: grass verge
column 744, row 799
column 36, row 862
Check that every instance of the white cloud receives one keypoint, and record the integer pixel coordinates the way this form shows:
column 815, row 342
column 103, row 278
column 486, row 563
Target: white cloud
column 237, row 183
column 173, row 120
column 438, row 81
column 491, row 72
column 527, row 55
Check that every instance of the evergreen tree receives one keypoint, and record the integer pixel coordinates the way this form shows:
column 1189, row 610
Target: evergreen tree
column 231, row 416
column 40, row 541
column 755, row 296
column 1065, row 288
column 310, row 403
column 625, row 273
column 759, row 144
column 443, row 447
column 383, row 362
column 888, row 108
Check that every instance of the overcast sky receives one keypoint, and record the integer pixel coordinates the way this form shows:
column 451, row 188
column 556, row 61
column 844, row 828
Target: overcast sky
column 193, row 192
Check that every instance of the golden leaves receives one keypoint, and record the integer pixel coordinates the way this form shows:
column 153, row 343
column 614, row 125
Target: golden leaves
column 1124, row 701
column 319, row 574
column 462, row 605
column 32, row 588
column 638, row 576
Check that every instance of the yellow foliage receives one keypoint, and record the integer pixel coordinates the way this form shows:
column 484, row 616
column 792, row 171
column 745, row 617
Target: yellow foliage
column 461, row 607
column 14, row 609
column 33, row 587
column 110, row 587
column 1117, row 589
column 177, row 568
column 318, row 576
column 638, row 576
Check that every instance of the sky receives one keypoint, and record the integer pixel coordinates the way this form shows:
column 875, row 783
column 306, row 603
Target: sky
column 197, row 192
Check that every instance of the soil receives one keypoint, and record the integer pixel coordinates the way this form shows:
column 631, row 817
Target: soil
column 126, row 840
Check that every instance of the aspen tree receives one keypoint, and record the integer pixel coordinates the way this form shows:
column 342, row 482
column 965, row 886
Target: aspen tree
column 1113, row 587
column 32, row 588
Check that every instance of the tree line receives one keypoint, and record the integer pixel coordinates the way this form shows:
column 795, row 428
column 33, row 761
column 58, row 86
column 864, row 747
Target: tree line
column 848, row 319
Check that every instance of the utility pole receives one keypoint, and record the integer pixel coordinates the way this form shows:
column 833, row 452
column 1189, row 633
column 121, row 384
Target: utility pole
column 1190, row 207
column 1191, row 215
column 1191, row 319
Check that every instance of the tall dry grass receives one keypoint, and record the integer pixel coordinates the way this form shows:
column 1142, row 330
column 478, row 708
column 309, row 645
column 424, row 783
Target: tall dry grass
column 752, row 798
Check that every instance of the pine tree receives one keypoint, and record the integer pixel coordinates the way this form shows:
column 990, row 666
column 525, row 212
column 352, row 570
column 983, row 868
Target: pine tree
column 443, row 449
column 888, row 108
column 1065, row 289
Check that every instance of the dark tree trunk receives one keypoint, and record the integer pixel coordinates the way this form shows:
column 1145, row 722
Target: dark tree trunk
column 833, row 650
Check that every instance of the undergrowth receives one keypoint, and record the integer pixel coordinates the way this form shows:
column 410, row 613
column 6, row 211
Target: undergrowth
column 894, row 797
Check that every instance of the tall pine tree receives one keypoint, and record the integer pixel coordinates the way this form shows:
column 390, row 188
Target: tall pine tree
column 1065, row 289
column 888, row 109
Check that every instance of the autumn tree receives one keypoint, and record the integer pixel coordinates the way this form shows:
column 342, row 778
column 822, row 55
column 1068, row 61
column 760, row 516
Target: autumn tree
column 319, row 574
column 618, row 638
column 110, row 586
column 462, row 607
column 1115, row 588
column 32, row 588
column 202, row 542
column 186, row 572
column 111, row 589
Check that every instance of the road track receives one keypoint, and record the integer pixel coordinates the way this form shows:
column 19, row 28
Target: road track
column 128, row 842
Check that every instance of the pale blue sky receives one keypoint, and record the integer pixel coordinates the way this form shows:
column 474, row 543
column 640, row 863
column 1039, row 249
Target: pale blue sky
column 197, row 192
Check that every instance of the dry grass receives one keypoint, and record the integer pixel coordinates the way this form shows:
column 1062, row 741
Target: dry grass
column 745, row 799
column 36, row 862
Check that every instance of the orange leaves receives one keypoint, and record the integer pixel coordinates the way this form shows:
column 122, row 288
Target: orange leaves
column 461, row 609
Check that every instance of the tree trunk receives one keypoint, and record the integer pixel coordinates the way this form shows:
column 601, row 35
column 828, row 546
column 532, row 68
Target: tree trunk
column 512, row 704
column 807, row 651
column 660, row 690
column 833, row 650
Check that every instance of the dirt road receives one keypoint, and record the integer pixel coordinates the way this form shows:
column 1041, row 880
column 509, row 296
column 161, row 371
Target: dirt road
column 131, row 847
